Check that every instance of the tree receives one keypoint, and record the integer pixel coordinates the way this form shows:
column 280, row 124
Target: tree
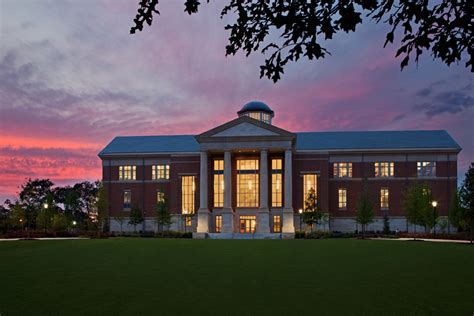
column 44, row 220
column 312, row 213
column 5, row 213
column 102, row 206
column 417, row 204
column 386, row 225
column 445, row 28
column 33, row 195
column 60, row 222
column 162, row 214
column 466, row 195
column 17, row 216
column 136, row 217
column 364, row 213
column 457, row 215
column 121, row 220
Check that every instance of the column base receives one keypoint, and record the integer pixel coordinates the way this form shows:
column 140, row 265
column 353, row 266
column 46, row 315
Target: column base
column 203, row 220
column 288, row 221
column 263, row 221
column 227, row 220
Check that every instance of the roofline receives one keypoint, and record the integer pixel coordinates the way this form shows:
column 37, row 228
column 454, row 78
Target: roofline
column 125, row 154
column 451, row 149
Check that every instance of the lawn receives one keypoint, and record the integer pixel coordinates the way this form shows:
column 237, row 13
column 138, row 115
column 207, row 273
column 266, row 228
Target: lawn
column 179, row 276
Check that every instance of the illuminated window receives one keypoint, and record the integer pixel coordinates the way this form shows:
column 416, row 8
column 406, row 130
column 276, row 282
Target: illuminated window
column 384, row 198
column 218, row 223
column 127, row 172
column 276, row 224
column 342, row 199
column 160, row 172
column 218, row 183
column 247, row 224
column 277, row 184
column 384, row 169
column 160, row 196
column 188, row 220
column 309, row 182
column 426, row 168
column 263, row 117
column 247, row 183
column 343, row 169
column 187, row 195
column 127, row 199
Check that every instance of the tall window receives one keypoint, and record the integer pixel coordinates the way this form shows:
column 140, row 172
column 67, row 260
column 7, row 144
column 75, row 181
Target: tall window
column 384, row 169
column 247, row 183
column 426, row 168
column 219, row 183
column 127, row 199
column 384, row 198
column 127, row 172
column 187, row 194
column 160, row 172
column 309, row 182
column 342, row 199
column 277, row 184
column 160, row 197
column 343, row 169
column 218, row 223
column 276, row 223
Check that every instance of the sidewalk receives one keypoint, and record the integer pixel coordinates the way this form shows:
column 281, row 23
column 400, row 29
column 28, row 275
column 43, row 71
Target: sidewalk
column 46, row 238
column 457, row 241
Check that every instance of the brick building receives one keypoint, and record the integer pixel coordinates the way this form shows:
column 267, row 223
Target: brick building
column 248, row 176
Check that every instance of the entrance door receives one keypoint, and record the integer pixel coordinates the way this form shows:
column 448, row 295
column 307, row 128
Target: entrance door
column 247, row 224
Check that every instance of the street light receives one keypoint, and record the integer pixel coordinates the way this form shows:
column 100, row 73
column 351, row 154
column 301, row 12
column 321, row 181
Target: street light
column 45, row 205
column 434, row 204
column 301, row 212
column 74, row 223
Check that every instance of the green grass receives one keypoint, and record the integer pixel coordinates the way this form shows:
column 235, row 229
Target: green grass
column 164, row 276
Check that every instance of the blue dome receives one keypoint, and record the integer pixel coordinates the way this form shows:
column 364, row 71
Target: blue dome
column 256, row 106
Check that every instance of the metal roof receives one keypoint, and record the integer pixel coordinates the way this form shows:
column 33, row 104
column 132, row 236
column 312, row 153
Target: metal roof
column 376, row 140
column 438, row 139
column 256, row 106
column 151, row 145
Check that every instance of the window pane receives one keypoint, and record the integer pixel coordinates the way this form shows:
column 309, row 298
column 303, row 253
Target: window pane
column 276, row 224
column 277, row 183
column 247, row 183
column 384, row 198
column 309, row 182
column 218, row 223
column 187, row 194
column 342, row 198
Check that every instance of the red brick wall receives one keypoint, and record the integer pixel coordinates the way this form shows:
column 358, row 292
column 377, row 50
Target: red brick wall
column 144, row 190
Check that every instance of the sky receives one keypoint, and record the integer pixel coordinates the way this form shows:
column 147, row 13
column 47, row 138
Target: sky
column 72, row 78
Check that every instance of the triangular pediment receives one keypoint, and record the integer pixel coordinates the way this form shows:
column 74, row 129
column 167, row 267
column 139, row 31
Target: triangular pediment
column 244, row 127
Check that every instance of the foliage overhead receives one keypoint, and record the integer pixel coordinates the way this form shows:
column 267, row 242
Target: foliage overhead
column 445, row 28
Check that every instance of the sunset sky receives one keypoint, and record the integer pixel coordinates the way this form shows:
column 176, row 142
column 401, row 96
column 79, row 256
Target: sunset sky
column 72, row 78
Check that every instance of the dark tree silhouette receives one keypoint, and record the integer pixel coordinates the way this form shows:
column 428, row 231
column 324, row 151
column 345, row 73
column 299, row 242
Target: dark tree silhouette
column 444, row 28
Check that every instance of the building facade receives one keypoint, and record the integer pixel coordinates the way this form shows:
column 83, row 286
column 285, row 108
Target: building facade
column 248, row 176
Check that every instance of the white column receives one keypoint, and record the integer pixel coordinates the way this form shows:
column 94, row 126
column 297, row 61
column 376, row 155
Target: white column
column 288, row 214
column 263, row 218
column 203, row 212
column 227, row 212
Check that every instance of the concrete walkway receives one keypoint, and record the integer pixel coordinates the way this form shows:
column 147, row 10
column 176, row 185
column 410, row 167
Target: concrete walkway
column 46, row 238
column 457, row 241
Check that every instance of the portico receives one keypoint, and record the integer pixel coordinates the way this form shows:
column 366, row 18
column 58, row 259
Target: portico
column 248, row 148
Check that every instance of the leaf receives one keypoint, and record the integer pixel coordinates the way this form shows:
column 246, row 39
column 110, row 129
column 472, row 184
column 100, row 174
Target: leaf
column 404, row 62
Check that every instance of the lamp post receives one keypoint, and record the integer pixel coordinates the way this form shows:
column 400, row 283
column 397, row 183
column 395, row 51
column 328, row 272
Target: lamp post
column 185, row 212
column 434, row 204
column 301, row 212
